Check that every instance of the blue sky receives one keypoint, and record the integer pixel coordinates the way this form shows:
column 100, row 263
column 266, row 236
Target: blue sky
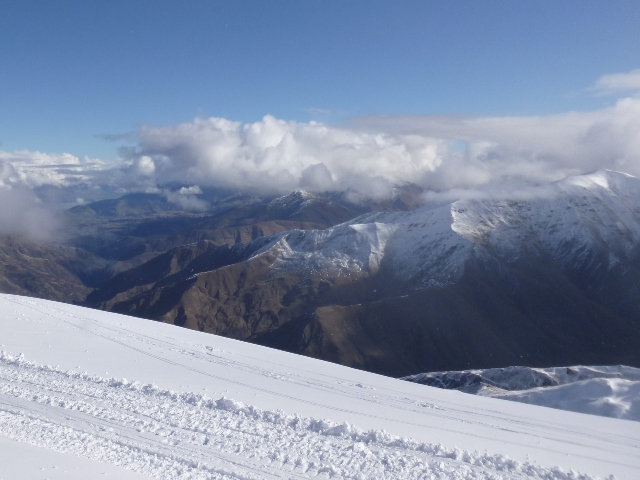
column 71, row 71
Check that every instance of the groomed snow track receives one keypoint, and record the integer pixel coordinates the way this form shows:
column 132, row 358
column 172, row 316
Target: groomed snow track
column 184, row 433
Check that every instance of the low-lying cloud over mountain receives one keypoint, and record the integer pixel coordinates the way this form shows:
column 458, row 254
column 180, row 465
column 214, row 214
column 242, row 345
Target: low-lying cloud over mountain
column 447, row 155
column 22, row 213
column 534, row 148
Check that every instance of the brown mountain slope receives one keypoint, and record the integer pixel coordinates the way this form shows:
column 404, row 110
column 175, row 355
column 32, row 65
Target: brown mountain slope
column 54, row 272
column 127, row 240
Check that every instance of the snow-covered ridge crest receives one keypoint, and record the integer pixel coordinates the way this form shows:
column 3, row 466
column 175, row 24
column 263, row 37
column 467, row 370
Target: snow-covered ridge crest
column 344, row 250
column 347, row 248
column 607, row 179
column 295, row 200
column 568, row 220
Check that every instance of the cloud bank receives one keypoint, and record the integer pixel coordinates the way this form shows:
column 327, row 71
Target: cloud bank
column 35, row 169
column 369, row 157
column 278, row 156
column 538, row 149
column 34, row 185
column 437, row 152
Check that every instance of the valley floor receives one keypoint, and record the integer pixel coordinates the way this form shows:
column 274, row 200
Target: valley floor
column 109, row 396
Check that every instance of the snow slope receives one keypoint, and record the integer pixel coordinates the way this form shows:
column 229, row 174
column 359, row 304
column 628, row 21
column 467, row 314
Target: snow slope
column 610, row 391
column 80, row 386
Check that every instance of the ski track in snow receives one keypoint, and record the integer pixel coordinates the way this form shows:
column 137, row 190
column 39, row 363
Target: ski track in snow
column 183, row 434
column 186, row 435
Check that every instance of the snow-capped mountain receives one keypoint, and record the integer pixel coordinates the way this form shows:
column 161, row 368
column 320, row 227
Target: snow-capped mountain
column 543, row 276
column 569, row 221
column 89, row 394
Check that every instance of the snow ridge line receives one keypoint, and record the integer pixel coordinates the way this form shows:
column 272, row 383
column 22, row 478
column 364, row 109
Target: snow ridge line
column 188, row 428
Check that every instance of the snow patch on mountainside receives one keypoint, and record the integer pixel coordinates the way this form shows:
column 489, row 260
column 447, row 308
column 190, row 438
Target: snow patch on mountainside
column 610, row 391
column 420, row 245
column 423, row 248
column 292, row 203
column 345, row 250
column 608, row 397
column 568, row 220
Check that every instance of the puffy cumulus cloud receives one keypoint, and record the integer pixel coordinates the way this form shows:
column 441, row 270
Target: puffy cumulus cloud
column 376, row 153
column 278, row 156
column 145, row 165
column 35, row 169
column 186, row 198
column 617, row 82
column 541, row 149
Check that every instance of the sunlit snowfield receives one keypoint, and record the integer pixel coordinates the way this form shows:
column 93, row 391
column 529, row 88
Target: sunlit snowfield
column 89, row 394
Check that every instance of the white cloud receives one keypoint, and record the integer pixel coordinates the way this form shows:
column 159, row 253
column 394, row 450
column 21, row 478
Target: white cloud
column 22, row 213
column 186, row 198
column 145, row 165
column 57, row 179
column 35, row 169
column 440, row 153
column 274, row 156
column 537, row 149
column 192, row 190
column 437, row 152
column 618, row 82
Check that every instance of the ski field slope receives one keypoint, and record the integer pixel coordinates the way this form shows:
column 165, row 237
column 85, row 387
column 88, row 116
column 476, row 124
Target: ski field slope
column 109, row 396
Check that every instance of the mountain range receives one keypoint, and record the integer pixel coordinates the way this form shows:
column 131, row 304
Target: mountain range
column 539, row 276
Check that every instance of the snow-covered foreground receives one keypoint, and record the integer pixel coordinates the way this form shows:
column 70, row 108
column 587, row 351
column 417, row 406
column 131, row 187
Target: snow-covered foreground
column 79, row 387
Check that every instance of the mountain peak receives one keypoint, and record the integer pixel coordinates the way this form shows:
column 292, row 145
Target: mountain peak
column 292, row 201
column 603, row 179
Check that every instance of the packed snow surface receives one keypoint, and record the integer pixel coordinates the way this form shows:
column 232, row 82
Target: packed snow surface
column 610, row 391
column 95, row 393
